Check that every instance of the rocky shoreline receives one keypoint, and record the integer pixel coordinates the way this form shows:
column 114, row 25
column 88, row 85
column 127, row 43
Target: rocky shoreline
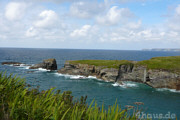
column 126, row 71
column 155, row 78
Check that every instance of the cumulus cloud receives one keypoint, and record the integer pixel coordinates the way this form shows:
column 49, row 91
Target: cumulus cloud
column 31, row 32
column 47, row 19
column 134, row 25
column 173, row 22
column 114, row 16
column 15, row 10
column 86, row 9
column 178, row 10
column 110, row 25
column 83, row 31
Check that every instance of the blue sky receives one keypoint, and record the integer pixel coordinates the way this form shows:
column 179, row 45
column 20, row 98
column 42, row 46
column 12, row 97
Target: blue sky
column 90, row 24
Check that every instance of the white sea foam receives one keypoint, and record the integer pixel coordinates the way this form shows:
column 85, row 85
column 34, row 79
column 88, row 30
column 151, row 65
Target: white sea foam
column 167, row 89
column 77, row 77
column 115, row 84
column 125, row 84
column 91, row 77
column 42, row 69
column 58, row 74
column 27, row 67
column 23, row 66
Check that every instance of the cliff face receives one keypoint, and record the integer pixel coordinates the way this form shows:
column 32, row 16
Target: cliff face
column 154, row 78
column 127, row 72
column 107, row 74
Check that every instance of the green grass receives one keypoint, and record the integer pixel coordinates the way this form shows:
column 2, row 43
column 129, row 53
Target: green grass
column 103, row 63
column 18, row 102
column 171, row 63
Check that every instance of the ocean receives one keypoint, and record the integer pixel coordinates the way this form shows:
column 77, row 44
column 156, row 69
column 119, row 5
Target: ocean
column 156, row 101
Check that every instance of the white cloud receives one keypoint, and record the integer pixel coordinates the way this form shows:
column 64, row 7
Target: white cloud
column 174, row 21
column 31, row 32
column 178, row 9
column 134, row 25
column 81, row 32
column 42, row 26
column 115, row 15
column 15, row 10
column 86, row 9
column 47, row 19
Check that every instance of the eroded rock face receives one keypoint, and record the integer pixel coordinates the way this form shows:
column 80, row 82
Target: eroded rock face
column 128, row 72
column 163, row 79
column 153, row 78
column 49, row 64
column 107, row 74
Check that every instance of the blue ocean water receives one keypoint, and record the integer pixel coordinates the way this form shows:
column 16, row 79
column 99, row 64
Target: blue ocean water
column 156, row 101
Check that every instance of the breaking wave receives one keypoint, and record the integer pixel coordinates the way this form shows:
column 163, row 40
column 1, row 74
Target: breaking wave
column 23, row 66
column 125, row 84
column 167, row 89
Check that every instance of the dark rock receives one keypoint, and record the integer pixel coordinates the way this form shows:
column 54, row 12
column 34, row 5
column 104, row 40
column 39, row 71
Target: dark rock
column 154, row 78
column 49, row 64
column 107, row 74
column 11, row 63
column 127, row 72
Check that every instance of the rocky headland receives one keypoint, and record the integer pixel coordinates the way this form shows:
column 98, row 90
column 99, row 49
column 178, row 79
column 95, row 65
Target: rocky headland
column 159, row 72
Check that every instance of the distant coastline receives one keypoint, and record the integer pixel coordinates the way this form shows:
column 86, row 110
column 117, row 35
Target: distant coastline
column 162, row 49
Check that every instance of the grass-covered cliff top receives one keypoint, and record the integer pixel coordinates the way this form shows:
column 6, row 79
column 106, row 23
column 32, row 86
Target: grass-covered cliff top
column 104, row 63
column 171, row 63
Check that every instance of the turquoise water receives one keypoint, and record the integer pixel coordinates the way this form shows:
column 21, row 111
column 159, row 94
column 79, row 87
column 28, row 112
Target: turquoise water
column 158, row 101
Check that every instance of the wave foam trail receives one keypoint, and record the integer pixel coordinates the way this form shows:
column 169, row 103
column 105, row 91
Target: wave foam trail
column 115, row 84
column 58, row 74
column 23, row 66
column 167, row 89
column 91, row 77
column 42, row 69
column 125, row 85
column 77, row 77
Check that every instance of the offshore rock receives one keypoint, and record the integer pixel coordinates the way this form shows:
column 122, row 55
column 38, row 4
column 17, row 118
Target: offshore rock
column 49, row 64
column 11, row 63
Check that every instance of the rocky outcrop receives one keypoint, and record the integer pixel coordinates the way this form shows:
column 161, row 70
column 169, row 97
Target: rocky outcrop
column 127, row 72
column 11, row 63
column 49, row 64
column 154, row 78
column 107, row 74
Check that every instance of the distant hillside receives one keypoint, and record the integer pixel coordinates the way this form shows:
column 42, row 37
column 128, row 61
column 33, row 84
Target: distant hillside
column 161, row 49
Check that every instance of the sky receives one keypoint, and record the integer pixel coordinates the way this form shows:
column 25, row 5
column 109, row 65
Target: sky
column 90, row 24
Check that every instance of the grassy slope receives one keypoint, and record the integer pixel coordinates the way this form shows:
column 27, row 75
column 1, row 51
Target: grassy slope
column 171, row 63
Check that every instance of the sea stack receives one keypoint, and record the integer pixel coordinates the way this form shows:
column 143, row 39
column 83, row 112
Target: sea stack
column 49, row 64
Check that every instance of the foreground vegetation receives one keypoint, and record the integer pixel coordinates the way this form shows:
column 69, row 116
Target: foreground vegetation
column 171, row 63
column 19, row 102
